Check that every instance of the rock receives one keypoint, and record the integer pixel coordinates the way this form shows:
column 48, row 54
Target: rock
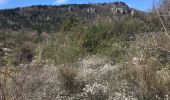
column 7, row 50
column 121, row 8
column 91, row 10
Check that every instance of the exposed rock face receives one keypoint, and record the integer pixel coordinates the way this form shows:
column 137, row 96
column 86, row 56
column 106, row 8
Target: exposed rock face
column 121, row 8
column 91, row 10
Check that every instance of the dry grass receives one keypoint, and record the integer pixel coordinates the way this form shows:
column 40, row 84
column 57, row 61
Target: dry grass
column 68, row 78
column 147, row 66
column 148, row 60
column 162, row 10
column 93, row 78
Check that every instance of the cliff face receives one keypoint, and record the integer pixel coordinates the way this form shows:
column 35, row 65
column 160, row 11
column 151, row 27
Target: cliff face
column 120, row 7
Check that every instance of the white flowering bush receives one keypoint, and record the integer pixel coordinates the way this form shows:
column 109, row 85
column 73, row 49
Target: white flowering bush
column 103, row 79
column 96, row 91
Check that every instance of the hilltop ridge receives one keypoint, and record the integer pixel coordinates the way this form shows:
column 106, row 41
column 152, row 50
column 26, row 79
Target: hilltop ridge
column 50, row 18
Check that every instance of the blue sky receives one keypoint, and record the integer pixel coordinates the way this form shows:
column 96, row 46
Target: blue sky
column 138, row 4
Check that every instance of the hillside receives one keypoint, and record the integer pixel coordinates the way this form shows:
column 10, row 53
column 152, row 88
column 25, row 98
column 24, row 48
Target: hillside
column 105, row 51
column 50, row 18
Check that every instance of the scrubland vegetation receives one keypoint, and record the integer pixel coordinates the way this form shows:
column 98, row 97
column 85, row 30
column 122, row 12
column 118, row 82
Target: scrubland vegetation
column 119, row 58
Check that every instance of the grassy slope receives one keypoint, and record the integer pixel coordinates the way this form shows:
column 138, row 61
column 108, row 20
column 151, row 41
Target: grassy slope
column 118, row 58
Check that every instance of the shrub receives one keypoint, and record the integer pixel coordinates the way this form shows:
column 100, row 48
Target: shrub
column 39, row 37
column 68, row 78
column 102, row 39
column 62, row 50
column 69, row 23
column 94, row 36
column 25, row 54
column 163, row 13
column 111, row 48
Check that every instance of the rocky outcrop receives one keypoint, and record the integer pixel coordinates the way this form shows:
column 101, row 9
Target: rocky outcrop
column 5, row 51
column 5, row 55
column 121, row 8
column 91, row 10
